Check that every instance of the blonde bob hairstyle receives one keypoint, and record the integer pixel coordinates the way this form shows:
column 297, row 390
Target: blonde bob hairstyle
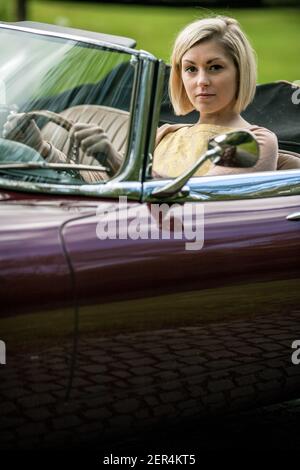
column 236, row 45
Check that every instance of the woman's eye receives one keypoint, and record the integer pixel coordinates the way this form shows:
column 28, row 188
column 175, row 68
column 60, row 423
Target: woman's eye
column 190, row 68
column 216, row 67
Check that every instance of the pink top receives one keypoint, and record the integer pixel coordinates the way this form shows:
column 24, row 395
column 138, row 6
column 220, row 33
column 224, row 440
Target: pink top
column 175, row 151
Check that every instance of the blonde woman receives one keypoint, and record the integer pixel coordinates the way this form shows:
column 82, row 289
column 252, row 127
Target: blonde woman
column 213, row 71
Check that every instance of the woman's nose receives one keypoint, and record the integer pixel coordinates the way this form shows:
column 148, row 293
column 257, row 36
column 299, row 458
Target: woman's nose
column 203, row 79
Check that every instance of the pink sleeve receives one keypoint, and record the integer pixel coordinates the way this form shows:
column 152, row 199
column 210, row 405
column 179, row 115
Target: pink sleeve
column 268, row 155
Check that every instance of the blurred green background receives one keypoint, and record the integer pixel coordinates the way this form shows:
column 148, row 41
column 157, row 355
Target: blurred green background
column 274, row 32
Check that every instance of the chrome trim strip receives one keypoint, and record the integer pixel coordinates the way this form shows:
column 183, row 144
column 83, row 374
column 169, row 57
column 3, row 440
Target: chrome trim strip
column 295, row 216
column 222, row 188
column 132, row 190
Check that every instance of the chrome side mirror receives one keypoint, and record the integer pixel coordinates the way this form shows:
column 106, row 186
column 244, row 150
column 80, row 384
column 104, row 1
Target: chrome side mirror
column 239, row 149
column 236, row 149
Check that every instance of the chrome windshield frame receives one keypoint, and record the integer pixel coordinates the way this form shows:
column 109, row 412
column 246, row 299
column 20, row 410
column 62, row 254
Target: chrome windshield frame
column 131, row 173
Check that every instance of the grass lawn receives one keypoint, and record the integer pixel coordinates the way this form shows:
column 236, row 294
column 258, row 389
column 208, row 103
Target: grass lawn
column 275, row 33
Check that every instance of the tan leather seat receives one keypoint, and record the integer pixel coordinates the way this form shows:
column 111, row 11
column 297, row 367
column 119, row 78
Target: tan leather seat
column 288, row 160
column 113, row 121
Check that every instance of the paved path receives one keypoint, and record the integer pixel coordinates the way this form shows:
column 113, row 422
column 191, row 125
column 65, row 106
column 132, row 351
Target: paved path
column 139, row 380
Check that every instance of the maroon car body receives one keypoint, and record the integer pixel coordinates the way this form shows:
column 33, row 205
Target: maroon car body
column 112, row 337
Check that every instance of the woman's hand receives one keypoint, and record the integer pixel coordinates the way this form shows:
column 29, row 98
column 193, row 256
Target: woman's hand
column 22, row 129
column 94, row 141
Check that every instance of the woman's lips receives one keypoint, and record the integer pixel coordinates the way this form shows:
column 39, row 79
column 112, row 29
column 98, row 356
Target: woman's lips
column 205, row 96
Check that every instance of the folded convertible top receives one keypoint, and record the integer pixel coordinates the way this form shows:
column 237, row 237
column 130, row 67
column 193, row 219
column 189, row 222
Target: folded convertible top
column 275, row 106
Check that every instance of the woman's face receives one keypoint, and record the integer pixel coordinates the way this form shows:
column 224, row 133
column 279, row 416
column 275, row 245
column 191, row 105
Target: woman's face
column 210, row 79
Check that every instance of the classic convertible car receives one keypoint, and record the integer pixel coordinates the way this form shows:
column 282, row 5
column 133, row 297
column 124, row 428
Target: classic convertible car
column 106, row 331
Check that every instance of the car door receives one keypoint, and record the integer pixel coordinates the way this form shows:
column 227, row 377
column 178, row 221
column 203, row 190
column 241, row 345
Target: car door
column 246, row 276
column 197, row 318
column 36, row 320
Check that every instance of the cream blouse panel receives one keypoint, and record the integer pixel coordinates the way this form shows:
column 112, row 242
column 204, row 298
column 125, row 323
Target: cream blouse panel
column 179, row 150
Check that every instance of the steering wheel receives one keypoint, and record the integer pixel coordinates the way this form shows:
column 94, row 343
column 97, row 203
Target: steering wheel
column 73, row 150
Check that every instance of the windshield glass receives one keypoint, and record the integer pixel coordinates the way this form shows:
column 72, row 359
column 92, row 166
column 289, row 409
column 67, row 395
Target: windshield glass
column 62, row 102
